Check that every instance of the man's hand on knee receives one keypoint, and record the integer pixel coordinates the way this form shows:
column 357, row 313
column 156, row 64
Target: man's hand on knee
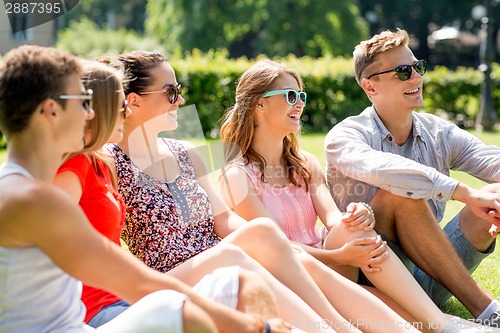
column 494, row 230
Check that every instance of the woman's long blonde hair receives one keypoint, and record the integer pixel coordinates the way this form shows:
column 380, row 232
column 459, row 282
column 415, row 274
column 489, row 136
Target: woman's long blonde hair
column 106, row 82
column 238, row 126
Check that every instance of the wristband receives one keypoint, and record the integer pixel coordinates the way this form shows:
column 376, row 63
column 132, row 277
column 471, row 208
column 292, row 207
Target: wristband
column 260, row 324
column 370, row 209
column 267, row 327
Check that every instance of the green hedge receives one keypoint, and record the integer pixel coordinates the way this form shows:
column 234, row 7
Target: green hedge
column 333, row 94
column 457, row 93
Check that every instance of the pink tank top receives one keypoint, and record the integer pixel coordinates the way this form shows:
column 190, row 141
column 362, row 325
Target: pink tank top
column 290, row 206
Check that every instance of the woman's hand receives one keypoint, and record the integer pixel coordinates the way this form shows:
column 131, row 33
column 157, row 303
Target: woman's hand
column 359, row 216
column 366, row 253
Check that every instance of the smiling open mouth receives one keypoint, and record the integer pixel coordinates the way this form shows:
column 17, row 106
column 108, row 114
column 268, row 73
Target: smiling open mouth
column 416, row 90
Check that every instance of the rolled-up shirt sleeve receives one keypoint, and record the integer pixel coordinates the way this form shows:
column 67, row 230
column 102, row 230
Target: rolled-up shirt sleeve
column 350, row 152
column 361, row 157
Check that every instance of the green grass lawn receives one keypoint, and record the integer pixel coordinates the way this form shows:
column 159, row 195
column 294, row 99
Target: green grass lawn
column 486, row 274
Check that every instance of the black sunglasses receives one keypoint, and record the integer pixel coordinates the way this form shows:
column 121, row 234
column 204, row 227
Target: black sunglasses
column 404, row 71
column 86, row 99
column 172, row 91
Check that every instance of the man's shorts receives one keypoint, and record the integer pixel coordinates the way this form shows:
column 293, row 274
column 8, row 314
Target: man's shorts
column 221, row 286
column 469, row 255
column 160, row 311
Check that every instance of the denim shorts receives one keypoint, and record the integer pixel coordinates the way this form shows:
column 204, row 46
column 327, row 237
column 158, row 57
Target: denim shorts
column 469, row 255
column 159, row 311
column 108, row 313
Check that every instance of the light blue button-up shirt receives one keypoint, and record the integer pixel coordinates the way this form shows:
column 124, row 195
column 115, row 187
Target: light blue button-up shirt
column 362, row 157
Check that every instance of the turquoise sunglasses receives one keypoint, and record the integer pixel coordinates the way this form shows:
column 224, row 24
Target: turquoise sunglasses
column 292, row 96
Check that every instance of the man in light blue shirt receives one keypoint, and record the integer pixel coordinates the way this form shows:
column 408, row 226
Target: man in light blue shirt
column 399, row 161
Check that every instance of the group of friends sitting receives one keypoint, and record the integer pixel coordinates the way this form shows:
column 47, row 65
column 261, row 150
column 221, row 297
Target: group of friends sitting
column 87, row 169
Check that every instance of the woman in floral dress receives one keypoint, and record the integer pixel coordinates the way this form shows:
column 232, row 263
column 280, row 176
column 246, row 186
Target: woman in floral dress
column 174, row 215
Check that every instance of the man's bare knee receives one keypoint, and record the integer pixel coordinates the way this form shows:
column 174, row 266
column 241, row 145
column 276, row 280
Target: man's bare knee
column 195, row 320
column 384, row 200
column 255, row 296
column 392, row 212
column 384, row 206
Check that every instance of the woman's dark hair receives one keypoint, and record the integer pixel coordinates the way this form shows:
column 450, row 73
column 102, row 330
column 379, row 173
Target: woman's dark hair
column 137, row 66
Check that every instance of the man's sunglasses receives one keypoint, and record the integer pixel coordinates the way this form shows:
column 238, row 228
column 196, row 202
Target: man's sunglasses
column 172, row 92
column 86, row 99
column 404, row 71
column 292, row 96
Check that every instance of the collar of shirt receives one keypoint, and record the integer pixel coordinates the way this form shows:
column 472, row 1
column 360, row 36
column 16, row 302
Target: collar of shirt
column 384, row 132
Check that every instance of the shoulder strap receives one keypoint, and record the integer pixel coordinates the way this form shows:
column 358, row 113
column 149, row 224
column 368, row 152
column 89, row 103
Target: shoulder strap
column 8, row 169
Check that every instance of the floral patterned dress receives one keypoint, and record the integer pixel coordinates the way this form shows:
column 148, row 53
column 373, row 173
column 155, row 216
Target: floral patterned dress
column 166, row 223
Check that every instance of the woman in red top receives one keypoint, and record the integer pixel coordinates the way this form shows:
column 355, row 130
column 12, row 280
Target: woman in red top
column 89, row 172
column 86, row 176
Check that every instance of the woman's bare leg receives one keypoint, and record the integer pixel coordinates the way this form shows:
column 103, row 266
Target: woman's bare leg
column 395, row 281
column 276, row 255
column 290, row 306
column 264, row 242
column 391, row 303
column 354, row 302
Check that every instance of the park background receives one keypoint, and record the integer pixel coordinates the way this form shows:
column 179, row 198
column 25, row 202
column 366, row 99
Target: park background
column 211, row 42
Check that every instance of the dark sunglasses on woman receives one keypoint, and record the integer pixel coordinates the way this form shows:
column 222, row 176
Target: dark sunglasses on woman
column 172, row 91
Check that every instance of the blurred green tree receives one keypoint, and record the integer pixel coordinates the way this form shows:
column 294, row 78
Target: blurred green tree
column 251, row 27
column 421, row 17
column 130, row 14
column 102, row 42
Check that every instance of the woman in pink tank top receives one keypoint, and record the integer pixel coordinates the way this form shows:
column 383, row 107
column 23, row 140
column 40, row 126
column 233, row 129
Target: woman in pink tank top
column 267, row 175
